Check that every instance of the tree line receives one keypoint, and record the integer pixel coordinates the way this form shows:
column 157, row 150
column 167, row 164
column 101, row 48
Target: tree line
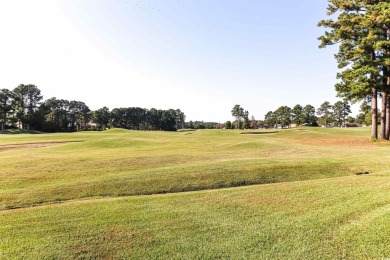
column 361, row 30
column 24, row 107
column 203, row 125
column 327, row 115
column 284, row 116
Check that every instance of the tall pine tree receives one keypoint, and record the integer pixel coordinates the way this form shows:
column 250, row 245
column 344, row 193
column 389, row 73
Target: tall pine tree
column 361, row 32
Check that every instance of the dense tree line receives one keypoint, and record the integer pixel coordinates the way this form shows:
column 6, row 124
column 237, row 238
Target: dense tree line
column 137, row 118
column 202, row 125
column 327, row 115
column 24, row 107
column 362, row 32
column 284, row 116
column 252, row 124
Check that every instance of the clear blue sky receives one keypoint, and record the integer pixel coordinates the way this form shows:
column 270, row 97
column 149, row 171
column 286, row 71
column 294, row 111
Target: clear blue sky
column 202, row 56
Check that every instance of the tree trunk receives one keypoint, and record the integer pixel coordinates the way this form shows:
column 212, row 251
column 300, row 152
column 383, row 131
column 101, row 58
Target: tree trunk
column 374, row 107
column 386, row 95
column 387, row 129
column 343, row 122
column 383, row 116
column 388, row 110
column 387, row 71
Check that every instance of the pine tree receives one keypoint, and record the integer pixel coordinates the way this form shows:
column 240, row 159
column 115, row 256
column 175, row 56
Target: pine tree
column 362, row 32
column 6, row 106
column 238, row 113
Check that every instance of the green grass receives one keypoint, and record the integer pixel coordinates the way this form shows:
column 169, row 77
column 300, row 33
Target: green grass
column 121, row 163
column 86, row 199
column 19, row 131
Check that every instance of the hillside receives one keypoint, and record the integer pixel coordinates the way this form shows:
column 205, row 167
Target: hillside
column 294, row 194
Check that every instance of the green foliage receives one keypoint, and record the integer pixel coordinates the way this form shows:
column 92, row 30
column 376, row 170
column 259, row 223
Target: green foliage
column 341, row 109
column 297, row 116
column 202, row 125
column 242, row 117
column 325, row 113
column 6, row 106
column 309, row 114
column 246, row 123
column 351, row 119
column 362, row 32
column 27, row 100
column 283, row 116
column 253, row 123
column 228, row 125
column 270, row 120
column 101, row 118
column 260, row 124
column 23, row 108
column 59, row 115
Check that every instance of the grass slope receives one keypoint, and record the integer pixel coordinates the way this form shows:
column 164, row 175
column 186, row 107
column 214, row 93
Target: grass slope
column 120, row 163
column 314, row 206
column 347, row 217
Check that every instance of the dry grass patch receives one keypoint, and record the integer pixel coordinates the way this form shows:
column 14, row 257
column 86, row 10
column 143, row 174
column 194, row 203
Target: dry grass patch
column 336, row 141
column 32, row 145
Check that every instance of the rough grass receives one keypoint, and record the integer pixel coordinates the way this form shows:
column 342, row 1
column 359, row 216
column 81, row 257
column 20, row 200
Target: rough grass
column 311, row 204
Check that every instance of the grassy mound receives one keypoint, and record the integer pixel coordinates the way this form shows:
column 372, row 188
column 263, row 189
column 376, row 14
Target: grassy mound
column 120, row 162
column 312, row 202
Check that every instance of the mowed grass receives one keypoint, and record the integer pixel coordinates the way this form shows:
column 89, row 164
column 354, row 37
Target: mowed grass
column 83, row 195
column 121, row 163
column 341, row 218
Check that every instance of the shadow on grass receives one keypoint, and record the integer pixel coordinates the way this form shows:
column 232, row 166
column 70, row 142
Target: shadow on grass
column 186, row 130
column 19, row 131
column 259, row 133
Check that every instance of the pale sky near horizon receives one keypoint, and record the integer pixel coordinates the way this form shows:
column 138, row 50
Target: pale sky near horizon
column 201, row 56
